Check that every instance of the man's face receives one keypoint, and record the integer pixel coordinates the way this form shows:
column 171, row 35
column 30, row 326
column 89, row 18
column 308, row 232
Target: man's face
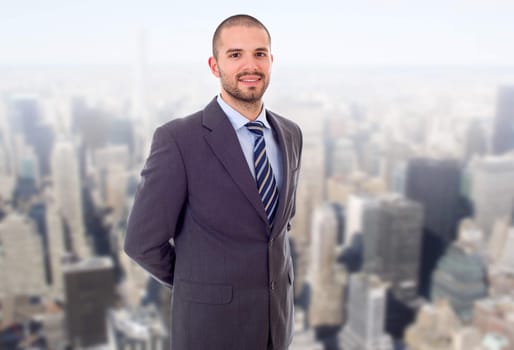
column 243, row 63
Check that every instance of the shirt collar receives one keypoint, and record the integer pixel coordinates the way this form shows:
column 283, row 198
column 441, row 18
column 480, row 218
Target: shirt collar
column 237, row 119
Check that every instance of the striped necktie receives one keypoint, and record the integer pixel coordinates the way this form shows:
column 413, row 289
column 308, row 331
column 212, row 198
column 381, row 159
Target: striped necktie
column 266, row 183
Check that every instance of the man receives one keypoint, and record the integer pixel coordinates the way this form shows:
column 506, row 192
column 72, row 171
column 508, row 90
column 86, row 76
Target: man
column 220, row 185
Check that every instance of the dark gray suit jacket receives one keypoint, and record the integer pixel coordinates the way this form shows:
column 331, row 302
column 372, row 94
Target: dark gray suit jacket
column 232, row 277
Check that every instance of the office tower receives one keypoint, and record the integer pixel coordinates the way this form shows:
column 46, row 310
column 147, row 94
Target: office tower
column 392, row 229
column 500, row 255
column 372, row 155
column 503, row 134
column 396, row 152
column 310, row 115
column 492, row 189
column 24, row 113
column 89, row 289
column 392, row 235
column 68, row 195
column 460, row 277
column 26, row 118
column 28, row 177
column 7, row 167
column 343, row 160
column 326, row 278
column 139, row 328
column 475, row 140
column 494, row 316
column 111, row 164
column 435, row 184
column 501, row 246
column 364, row 329
column 398, row 178
column 354, row 217
column 434, row 327
column 56, row 244
column 352, row 248
column 21, row 259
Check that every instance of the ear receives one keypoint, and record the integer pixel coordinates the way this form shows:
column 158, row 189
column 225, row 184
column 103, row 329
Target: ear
column 271, row 56
column 213, row 64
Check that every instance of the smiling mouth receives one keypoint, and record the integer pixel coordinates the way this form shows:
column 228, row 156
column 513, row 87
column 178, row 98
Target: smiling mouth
column 250, row 80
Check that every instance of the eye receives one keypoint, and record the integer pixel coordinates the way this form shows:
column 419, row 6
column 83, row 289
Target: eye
column 234, row 55
column 261, row 54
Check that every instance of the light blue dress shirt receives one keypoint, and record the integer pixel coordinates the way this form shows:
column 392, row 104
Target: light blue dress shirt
column 247, row 139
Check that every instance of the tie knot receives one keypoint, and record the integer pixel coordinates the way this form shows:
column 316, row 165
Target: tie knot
column 256, row 127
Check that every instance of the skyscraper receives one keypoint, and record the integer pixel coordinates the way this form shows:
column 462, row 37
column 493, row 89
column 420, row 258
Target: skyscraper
column 68, row 194
column 392, row 229
column 311, row 187
column 503, row 137
column 435, row 183
column 475, row 142
column 21, row 257
column 343, row 160
column 26, row 119
column 56, row 244
column 460, row 278
column 6, row 155
column 326, row 277
column 364, row 329
column 89, row 290
column 492, row 189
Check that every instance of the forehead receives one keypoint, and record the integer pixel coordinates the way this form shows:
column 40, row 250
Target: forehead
column 239, row 36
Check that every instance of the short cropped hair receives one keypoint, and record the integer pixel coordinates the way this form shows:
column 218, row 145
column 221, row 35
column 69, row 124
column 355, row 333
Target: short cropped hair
column 236, row 20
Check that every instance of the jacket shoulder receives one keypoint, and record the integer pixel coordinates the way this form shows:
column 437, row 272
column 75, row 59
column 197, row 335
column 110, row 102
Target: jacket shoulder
column 181, row 127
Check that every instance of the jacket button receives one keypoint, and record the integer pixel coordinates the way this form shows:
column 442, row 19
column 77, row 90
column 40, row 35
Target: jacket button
column 272, row 285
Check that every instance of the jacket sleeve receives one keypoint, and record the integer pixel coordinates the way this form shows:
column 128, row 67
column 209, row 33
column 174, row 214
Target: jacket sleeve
column 300, row 148
column 157, row 209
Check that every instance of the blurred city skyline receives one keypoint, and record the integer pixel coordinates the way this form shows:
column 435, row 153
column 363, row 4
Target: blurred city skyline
column 404, row 229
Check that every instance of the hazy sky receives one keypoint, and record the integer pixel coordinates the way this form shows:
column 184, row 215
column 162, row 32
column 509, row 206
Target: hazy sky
column 466, row 32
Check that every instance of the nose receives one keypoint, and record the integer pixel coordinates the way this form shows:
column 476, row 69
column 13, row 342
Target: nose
column 250, row 63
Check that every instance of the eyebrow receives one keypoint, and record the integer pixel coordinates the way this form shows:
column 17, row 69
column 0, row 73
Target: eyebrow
column 239, row 50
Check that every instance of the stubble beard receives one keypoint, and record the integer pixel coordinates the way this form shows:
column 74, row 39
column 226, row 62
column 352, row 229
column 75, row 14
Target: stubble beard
column 253, row 95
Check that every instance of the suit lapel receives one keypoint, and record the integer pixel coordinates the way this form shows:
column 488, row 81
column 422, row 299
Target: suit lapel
column 224, row 143
column 284, row 139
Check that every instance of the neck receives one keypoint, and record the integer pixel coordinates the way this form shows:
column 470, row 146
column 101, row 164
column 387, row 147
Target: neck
column 249, row 110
